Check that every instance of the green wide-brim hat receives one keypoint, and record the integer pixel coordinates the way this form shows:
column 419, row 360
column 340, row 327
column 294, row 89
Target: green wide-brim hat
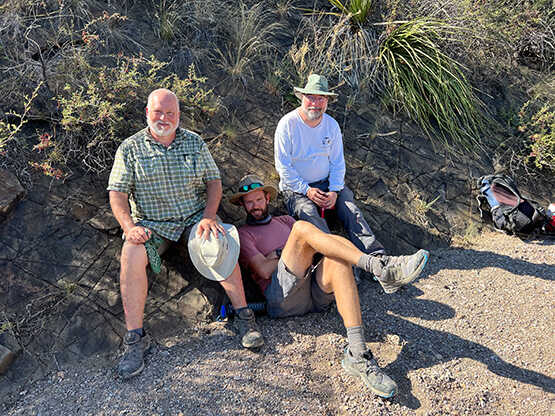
column 315, row 85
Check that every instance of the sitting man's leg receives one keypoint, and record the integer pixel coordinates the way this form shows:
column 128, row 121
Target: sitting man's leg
column 244, row 319
column 301, row 207
column 133, row 286
column 335, row 276
column 355, row 224
column 391, row 271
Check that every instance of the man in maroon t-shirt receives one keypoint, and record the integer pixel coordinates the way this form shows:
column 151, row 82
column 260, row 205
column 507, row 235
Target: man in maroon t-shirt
column 301, row 269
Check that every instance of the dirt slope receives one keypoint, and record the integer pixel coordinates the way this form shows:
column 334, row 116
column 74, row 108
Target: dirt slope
column 473, row 336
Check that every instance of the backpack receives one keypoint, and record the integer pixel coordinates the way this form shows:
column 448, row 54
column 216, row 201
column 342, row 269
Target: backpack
column 500, row 203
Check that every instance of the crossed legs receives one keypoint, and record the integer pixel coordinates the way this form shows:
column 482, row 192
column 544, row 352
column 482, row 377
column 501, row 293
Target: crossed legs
column 335, row 274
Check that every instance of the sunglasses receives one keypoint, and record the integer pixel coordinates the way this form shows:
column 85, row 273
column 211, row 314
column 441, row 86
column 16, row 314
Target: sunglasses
column 246, row 188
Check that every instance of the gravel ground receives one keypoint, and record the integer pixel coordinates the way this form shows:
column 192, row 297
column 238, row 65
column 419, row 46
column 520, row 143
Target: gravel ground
column 473, row 336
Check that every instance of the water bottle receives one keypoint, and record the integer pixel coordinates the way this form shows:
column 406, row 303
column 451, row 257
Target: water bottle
column 228, row 310
column 486, row 190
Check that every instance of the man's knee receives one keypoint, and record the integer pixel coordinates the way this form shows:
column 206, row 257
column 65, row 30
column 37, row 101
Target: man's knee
column 303, row 206
column 337, row 269
column 133, row 255
column 301, row 229
column 333, row 270
column 345, row 195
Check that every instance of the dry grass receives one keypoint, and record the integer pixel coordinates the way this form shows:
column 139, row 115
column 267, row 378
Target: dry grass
column 246, row 40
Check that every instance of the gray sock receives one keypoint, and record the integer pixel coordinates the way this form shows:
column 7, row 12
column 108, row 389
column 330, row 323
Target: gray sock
column 355, row 336
column 371, row 263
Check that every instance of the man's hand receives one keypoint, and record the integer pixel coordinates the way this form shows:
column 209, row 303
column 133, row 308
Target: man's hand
column 138, row 235
column 206, row 225
column 317, row 196
column 331, row 199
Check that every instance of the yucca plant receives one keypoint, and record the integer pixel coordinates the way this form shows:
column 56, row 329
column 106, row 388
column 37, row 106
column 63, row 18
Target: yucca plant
column 357, row 10
column 429, row 85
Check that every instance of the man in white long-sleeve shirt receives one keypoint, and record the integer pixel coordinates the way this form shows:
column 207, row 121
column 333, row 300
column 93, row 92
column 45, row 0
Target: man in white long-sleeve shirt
column 308, row 151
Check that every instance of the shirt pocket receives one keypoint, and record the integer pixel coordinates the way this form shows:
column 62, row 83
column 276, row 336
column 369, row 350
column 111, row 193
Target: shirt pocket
column 150, row 171
column 190, row 173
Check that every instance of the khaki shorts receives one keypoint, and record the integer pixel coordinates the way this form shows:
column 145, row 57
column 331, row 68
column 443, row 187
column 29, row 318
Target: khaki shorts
column 289, row 295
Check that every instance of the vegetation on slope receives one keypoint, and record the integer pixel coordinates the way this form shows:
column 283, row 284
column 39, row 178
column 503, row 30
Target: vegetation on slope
column 477, row 77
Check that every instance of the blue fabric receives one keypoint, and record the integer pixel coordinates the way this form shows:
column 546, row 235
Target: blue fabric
column 358, row 230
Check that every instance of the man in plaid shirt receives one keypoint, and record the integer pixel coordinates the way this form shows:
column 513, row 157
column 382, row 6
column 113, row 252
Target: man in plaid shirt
column 163, row 181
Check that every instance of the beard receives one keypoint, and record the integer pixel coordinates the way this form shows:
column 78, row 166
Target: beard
column 156, row 128
column 313, row 114
column 258, row 214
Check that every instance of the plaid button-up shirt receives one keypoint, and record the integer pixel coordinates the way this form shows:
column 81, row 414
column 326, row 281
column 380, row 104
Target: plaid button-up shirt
column 166, row 185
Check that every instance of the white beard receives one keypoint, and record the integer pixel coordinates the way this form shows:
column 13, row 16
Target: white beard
column 153, row 126
column 313, row 114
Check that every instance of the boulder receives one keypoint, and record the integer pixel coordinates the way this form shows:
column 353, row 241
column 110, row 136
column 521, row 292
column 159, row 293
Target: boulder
column 6, row 358
column 11, row 192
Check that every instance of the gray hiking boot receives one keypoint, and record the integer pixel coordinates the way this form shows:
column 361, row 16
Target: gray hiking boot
column 397, row 271
column 132, row 362
column 367, row 369
column 247, row 329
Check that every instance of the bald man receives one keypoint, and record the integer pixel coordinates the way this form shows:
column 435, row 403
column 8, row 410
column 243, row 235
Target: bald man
column 164, row 181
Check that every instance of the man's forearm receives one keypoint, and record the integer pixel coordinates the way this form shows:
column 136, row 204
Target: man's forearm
column 213, row 198
column 264, row 266
column 120, row 208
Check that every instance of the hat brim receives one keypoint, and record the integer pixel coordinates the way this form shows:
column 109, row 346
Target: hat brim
column 235, row 199
column 224, row 269
column 300, row 91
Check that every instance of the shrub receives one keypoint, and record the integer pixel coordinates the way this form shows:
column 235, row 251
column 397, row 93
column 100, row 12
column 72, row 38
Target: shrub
column 537, row 124
column 430, row 86
column 404, row 64
column 104, row 104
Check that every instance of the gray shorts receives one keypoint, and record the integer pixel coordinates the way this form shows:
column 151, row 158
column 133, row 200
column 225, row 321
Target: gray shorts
column 289, row 295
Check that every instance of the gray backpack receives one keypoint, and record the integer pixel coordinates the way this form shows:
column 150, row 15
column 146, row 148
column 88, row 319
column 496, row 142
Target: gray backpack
column 500, row 203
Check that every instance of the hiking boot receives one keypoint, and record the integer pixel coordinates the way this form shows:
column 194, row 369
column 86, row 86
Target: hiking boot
column 132, row 362
column 248, row 330
column 367, row 369
column 397, row 271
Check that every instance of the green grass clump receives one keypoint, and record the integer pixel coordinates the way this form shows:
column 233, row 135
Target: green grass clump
column 430, row 86
column 247, row 38
column 358, row 11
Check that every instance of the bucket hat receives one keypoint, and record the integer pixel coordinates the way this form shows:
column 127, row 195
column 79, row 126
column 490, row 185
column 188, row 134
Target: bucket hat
column 316, row 85
column 215, row 258
column 248, row 184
